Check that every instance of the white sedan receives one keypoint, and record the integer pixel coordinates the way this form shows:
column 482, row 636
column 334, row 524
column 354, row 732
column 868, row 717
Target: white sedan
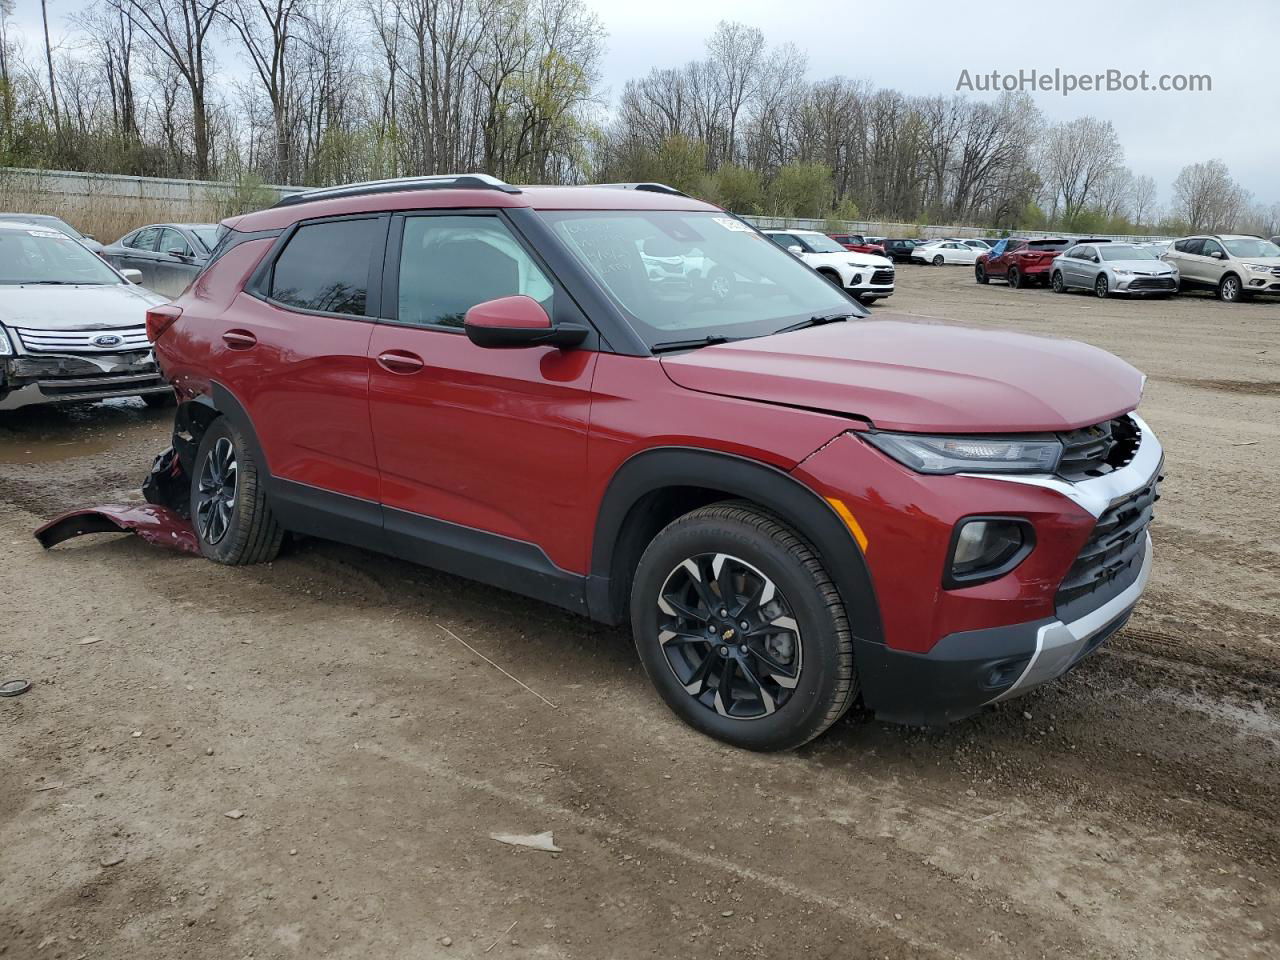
column 71, row 327
column 938, row 252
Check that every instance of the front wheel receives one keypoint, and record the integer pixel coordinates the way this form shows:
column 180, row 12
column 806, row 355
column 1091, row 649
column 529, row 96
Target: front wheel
column 741, row 630
column 1229, row 289
column 228, row 501
column 938, row 260
column 1101, row 287
column 980, row 274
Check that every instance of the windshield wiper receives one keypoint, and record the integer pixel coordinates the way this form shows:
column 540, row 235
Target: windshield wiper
column 819, row 319
column 59, row 283
column 708, row 341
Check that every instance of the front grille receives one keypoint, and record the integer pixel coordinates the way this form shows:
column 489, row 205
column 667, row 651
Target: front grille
column 1112, row 557
column 1153, row 283
column 81, row 341
column 1098, row 450
column 882, row 276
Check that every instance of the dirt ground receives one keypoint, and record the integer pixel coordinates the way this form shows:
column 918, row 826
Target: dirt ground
column 1129, row 810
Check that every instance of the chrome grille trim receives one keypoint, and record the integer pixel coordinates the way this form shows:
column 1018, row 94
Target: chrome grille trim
column 81, row 341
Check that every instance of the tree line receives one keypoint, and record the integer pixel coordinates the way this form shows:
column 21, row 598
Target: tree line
column 326, row 92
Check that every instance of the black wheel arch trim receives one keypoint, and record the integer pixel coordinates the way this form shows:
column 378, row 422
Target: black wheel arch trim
column 737, row 477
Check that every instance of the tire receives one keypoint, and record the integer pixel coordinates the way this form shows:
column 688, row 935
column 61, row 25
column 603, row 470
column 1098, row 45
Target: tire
column 1015, row 278
column 229, row 510
column 1102, row 287
column 719, row 284
column 980, row 274
column 810, row 648
column 938, row 260
column 1229, row 289
column 1059, row 286
column 157, row 401
column 832, row 277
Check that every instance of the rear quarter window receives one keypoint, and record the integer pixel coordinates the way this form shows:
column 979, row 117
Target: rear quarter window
column 324, row 267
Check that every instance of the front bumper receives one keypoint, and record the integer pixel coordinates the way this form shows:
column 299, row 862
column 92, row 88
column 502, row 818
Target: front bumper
column 946, row 653
column 29, row 379
column 872, row 282
column 1145, row 285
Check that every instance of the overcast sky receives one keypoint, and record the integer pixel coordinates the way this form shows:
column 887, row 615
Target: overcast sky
column 921, row 47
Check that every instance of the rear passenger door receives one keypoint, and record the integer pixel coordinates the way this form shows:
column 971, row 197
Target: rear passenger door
column 175, row 263
column 294, row 352
column 141, row 255
column 479, row 448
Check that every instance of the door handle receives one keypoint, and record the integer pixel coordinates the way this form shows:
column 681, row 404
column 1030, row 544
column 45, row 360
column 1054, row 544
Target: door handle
column 239, row 339
column 400, row 361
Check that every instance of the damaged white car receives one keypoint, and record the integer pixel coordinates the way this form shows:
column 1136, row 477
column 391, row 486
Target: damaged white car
column 71, row 327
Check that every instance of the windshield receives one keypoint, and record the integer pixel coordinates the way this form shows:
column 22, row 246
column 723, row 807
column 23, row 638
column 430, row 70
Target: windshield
column 1252, row 247
column 1123, row 251
column 687, row 275
column 40, row 255
column 819, row 243
column 208, row 235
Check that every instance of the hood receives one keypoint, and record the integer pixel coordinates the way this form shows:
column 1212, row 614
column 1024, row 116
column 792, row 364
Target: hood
column 1154, row 267
column 84, row 307
column 902, row 374
column 846, row 258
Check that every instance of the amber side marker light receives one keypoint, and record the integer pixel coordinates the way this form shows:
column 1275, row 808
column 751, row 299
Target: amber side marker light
column 850, row 521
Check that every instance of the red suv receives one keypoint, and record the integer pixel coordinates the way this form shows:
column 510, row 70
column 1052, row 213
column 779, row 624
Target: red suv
column 794, row 507
column 857, row 243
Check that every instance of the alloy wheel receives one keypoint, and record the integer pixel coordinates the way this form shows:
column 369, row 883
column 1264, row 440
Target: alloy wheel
column 1230, row 289
column 1100, row 286
column 729, row 636
column 1058, row 285
column 937, row 260
column 216, row 491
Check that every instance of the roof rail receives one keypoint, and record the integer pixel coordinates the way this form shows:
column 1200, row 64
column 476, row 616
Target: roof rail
column 443, row 181
column 645, row 187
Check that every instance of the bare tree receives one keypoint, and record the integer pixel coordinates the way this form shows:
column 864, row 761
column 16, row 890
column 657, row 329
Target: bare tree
column 1205, row 196
column 1076, row 158
column 1144, row 200
column 180, row 30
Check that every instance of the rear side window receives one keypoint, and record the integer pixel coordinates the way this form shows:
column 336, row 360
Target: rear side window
column 1194, row 246
column 144, row 239
column 449, row 264
column 325, row 267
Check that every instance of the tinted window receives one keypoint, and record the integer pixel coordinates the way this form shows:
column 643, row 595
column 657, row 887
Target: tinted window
column 1193, row 246
column 172, row 240
column 144, row 239
column 325, row 267
column 785, row 240
column 1075, row 253
column 449, row 264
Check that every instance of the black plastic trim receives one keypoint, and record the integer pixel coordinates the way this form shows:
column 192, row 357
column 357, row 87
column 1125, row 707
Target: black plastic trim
column 736, row 477
column 953, row 581
column 463, row 182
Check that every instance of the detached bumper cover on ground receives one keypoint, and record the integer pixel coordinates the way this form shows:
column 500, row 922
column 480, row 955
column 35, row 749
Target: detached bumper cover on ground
column 155, row 524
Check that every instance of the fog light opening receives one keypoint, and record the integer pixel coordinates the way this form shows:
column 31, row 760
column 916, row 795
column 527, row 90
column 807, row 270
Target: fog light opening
column 986, row 548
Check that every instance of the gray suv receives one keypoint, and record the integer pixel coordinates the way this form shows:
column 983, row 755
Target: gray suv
column 1235, row 267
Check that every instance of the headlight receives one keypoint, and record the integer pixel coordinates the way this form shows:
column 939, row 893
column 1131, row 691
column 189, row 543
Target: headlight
column 984, row 548
column 858, row 266
column 1260, row 267
column 5, row 349
column 1124, row 273
column 969, row 454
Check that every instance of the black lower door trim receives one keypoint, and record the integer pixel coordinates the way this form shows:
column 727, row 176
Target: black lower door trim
column 502, row 562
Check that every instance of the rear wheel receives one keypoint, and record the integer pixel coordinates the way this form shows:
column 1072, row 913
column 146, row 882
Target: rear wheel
column 741, row 630
column 1015, row 278
column 1059, row 286
column 228, row 502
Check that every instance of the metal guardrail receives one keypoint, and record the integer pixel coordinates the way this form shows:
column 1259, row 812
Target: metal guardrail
column 880, row 228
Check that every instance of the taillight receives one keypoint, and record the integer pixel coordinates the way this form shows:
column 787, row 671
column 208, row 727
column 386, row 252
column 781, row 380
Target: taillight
column 160, row 319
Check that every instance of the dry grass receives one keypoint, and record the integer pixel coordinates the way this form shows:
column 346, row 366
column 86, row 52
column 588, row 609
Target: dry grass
column 103, row 216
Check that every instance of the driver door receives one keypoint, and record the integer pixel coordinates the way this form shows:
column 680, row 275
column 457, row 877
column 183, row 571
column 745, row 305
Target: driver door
column 480, row 447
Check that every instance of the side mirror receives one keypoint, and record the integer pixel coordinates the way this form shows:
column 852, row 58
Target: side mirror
column 133, row 276
column 518, row 321
column 795, row 248
column 1218, row 255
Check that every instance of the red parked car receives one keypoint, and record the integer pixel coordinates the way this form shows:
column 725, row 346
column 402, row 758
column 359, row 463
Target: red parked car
column 793, row 506
column 857, row 243
column 1019, row 262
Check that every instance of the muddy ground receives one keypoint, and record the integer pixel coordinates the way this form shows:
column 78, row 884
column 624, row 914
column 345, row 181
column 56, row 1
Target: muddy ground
column 1129, row 810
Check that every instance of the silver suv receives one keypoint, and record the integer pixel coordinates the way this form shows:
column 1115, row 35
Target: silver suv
column 1236, row 267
